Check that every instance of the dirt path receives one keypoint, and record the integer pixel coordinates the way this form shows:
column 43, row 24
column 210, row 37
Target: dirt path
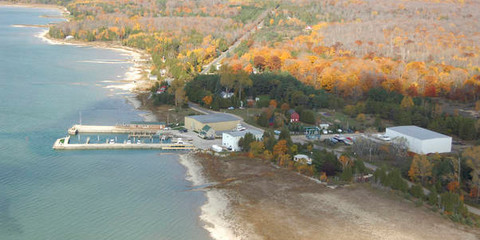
column 276, row 203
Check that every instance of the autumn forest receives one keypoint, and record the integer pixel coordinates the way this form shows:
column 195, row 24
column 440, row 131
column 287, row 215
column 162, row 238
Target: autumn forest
column 407, row 62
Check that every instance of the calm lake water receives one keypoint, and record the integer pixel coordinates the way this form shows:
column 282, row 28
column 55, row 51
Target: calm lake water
column 45, row 194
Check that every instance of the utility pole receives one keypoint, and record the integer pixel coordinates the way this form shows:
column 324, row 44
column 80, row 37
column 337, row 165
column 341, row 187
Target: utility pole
column 459, row 170
column 370, row 151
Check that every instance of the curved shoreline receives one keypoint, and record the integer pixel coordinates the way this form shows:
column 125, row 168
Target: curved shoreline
column 216, row 211
column 135, row 78
column 35, row 5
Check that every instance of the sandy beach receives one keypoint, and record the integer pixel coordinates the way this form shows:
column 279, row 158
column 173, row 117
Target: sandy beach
column 252, row 199
column 33, row 5
column 135, row 79
column 215, row 213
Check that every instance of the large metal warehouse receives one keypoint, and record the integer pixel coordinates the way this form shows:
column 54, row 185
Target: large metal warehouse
column 421, row 140
column 217, row 121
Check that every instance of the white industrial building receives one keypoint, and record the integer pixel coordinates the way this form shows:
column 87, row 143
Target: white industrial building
column 421, row 140
column 230, row 139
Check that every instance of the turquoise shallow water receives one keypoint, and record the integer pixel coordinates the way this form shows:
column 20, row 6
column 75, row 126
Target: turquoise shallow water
column 46, row 194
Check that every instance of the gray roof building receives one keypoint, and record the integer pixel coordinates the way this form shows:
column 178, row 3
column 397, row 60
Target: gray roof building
column 242, row 133
column 418, row 132
column 420, row 140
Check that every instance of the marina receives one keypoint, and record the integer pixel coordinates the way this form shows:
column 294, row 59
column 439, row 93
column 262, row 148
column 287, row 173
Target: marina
column 130, row 136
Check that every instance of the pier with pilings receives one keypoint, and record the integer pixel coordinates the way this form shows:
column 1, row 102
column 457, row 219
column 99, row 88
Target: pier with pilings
column 136, row 128
column 64, row 144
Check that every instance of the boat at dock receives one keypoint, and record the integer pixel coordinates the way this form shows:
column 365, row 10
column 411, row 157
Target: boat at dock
column 63, row 144
column 145, row 129
column 134, row 131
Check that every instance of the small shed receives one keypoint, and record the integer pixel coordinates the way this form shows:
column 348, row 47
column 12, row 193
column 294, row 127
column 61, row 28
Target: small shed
column 294, row 117
column 207, row 132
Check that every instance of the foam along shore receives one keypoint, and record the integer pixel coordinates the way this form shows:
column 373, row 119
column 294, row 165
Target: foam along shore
column 215, row 213
column 136, row 77
column 63, row 10
column 29, row 26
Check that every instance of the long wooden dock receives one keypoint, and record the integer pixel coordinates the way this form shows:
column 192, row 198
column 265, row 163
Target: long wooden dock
column 137, row 129
column 63, row 144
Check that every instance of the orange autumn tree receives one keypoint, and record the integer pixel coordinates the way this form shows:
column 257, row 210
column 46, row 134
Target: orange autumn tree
column 273, row 103
column 280, row 148
column 207, row 100
column 345, row 161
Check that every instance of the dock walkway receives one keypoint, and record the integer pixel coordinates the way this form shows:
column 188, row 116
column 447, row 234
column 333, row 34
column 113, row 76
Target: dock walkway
column 133, row 130
column 129, row 129
column 63, row 144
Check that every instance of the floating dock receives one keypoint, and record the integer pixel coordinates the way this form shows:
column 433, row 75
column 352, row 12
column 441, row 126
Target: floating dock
column 63, row 144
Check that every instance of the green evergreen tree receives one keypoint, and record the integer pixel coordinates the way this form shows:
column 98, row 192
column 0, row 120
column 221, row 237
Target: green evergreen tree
column 347, row 174
column 245, row 141
column 417, row 191
column 433, row 197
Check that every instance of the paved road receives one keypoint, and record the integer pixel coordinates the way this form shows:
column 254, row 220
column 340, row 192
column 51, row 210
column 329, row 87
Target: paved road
column 471, row 209
column 302, row 139
column 258, row 25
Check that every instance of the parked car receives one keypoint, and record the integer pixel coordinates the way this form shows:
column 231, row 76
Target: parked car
column 231, row 108
column 240, row 127
column 333, row 140
column 384, row 137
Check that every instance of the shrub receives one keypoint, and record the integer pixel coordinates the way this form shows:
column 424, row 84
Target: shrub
column 417, row 191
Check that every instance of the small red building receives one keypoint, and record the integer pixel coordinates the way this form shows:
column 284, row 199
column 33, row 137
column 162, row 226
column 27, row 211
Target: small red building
column 294, row 117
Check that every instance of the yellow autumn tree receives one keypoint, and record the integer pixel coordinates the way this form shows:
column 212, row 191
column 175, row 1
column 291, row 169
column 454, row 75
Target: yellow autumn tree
column 420, row 169
column 407, row 102
column 257, row 147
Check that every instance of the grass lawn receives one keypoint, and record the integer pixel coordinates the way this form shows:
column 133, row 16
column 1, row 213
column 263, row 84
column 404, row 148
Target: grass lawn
column 248, row 115
column 336, row 117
